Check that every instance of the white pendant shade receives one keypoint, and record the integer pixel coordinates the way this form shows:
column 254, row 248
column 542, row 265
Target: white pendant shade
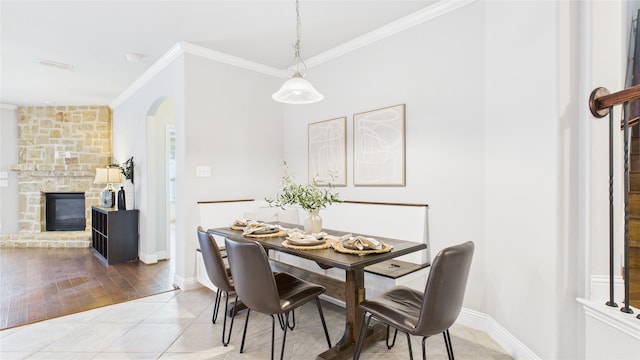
column 297, row 91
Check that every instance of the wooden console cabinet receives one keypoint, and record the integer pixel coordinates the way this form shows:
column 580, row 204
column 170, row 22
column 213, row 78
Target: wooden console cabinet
column 114, row 234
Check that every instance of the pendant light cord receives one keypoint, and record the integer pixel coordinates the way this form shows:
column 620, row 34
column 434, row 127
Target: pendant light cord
column 299, row 67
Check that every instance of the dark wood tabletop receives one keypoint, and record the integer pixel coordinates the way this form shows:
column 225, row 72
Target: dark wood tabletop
column 329, row 257
column 353, row 285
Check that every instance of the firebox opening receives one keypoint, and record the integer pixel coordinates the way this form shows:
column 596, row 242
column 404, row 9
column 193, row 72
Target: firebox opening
column 65, row 211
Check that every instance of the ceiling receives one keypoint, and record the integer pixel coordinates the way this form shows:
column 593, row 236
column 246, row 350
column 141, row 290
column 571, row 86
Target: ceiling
column 94, row 37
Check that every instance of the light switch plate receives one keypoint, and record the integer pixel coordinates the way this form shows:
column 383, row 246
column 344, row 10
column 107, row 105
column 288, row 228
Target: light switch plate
column 4, row 175
column 4, row 183
column 203, row 171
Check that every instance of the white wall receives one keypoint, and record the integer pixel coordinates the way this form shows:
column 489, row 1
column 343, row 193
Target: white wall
column 227, row 122
column 491, row 134
column 531, row 277
column 439, row 78
column 129, row 139
column 157, row 125
column 8, row 156
column 233, row 126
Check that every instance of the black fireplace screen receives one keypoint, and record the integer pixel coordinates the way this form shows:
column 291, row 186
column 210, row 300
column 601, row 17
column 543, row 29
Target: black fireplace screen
column 65, row 212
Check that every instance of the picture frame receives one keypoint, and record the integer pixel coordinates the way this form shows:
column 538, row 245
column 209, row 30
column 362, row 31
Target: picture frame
column 379, row 147
column 328, row 152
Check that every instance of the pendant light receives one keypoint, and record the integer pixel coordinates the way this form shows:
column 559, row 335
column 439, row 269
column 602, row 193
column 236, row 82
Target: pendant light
column 297, row 90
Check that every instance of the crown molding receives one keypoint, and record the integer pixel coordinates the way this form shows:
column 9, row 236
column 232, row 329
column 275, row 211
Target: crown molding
column 402, row 24
column 149, row 74
column 180, row 48
column 8, row 107
column 207, row 53
column 183, row 47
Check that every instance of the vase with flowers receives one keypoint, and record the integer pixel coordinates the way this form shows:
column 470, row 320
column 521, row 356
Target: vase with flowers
column 307, row 196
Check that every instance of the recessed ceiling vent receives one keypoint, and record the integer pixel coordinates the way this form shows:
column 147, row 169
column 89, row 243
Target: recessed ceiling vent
column 56, row 64
column 133, row 57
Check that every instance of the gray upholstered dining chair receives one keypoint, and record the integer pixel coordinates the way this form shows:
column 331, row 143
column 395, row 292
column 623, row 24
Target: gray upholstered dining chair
column 423, row 314
column 219, row 276
column 263, row 291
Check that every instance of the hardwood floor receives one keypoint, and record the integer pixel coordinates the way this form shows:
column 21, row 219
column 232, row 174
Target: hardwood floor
column 39, row 284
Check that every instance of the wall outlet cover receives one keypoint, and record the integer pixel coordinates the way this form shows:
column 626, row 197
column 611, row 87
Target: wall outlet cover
column 203, row 171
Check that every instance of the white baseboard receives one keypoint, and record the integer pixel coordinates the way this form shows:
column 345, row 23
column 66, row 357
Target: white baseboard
column 186, row 284
column 148, row 258
column 162, row 255
column 499, row 334
column 154, row 258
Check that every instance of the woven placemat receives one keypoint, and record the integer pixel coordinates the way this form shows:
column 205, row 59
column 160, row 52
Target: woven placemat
column 326, row 245
column 339, row 247
column 282, row 232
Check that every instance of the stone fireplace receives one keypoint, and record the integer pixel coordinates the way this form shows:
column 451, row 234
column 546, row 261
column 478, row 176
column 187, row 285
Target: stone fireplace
column 59, row 148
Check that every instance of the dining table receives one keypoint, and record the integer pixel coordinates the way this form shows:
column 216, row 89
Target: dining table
column 351, row 290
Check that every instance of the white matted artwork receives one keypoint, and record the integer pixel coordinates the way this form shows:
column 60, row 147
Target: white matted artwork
column 328, row 152
column 379, row 147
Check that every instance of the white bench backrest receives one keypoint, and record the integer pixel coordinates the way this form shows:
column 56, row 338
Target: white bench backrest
column 215, row 214
column 220, row 214
column 398, row 221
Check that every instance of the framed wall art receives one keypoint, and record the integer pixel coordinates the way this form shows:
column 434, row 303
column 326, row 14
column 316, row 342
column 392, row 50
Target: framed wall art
column 379, row 147
column 328, row 152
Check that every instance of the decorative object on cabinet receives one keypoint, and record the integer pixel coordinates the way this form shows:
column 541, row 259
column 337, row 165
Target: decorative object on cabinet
column 297, row 90
column 122, row 202
column 379, row 147
column 107, row 175
column 114, row 234
column 328, row 152
column 127, row 169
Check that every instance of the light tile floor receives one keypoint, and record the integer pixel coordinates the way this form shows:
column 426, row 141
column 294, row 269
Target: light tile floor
column 177, row 325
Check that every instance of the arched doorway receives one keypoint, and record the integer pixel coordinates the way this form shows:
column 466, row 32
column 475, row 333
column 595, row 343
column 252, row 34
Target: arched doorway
column 161, row 180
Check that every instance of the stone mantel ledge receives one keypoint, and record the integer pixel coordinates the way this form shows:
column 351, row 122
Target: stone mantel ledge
column 49, row 239
column 53, row 170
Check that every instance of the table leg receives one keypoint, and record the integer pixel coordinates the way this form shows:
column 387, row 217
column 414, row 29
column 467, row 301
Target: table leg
column 233, row 310
column 354, row 295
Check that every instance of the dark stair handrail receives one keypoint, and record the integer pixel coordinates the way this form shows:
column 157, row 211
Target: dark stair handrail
column 601, row 103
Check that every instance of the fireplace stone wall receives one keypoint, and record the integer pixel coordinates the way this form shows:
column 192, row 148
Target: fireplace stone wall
column 59, row 148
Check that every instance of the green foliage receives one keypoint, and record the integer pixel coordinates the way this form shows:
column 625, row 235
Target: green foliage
column 127, row 169
column 309, row 197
